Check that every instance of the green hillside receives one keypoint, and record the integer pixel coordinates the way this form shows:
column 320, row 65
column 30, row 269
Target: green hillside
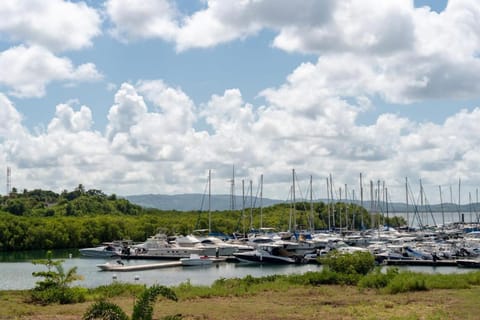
column 41, row 219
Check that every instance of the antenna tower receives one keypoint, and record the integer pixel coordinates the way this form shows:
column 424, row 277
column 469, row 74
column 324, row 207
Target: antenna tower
column 9, row 180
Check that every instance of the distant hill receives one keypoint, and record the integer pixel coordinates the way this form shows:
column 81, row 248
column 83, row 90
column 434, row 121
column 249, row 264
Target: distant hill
column 195, row 202
column 199, row 202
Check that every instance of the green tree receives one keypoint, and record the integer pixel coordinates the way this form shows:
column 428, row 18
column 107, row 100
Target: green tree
column 55, row 284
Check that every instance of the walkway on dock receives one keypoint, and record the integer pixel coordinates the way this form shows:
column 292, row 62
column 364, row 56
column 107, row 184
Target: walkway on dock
column 137, row 267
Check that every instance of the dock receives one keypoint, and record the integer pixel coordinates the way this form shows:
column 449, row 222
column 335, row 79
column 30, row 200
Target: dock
column 138, row 267
column 413, row 262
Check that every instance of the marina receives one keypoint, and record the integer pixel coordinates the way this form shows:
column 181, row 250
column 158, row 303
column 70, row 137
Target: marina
column 17, row 274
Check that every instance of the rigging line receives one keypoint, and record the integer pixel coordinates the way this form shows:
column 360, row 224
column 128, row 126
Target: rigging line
column 415, row 208
column 201, row 205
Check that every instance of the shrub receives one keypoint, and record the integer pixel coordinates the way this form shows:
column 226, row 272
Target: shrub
column 105, row 310
column 406, row 282
column 377, row 279
column 325, row 276
column 142, row 310
column 347, row 263
column 55, row 284
column 62, row 295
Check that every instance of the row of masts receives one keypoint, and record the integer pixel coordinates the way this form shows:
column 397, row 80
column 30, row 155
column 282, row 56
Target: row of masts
column 379, row 203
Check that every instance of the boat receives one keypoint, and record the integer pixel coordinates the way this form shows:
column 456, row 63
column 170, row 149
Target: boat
column 106, row 250
column 196, row 260
column 158, row 247
column 119, row 266
column 266, row 254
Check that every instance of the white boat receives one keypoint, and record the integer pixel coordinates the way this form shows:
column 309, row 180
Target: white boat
column 157, row 246
column 266, row 254
column 106, row 250
column 223, row 248
column 196, row 260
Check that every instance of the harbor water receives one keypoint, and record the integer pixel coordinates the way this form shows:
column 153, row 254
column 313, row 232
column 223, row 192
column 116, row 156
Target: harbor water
column 16, row 271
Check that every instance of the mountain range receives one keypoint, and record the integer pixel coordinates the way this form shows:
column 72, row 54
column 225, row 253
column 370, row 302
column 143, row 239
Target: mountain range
column 199, row 202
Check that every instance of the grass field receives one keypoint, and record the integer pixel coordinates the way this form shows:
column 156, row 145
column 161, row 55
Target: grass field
column 292, row 302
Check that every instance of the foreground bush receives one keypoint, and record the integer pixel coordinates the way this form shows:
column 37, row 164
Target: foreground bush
column 378, row 279
column 406, row 282
column 142, row 310
column 348, row 267
column 54, row 288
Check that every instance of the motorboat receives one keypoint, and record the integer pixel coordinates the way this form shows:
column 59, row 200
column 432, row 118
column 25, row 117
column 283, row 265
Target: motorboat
column 106, row 250
column 193, row 242
column 158, row 246
column 223, row 248
column 266, row 254
column 196, row 260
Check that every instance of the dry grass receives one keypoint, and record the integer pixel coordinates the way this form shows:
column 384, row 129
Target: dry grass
column 323, row 302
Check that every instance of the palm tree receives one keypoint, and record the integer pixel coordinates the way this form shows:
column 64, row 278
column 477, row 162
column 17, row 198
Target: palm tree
column 142, row 310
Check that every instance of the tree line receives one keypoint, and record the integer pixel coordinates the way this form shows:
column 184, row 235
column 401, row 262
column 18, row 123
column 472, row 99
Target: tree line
column 41, row 219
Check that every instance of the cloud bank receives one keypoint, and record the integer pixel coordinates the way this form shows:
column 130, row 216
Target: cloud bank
column 159, row 140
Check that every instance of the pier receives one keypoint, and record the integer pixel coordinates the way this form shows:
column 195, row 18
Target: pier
column 138, row 267
column 414, row 262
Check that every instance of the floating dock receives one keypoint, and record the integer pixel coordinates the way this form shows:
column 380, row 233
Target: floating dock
column 413, row 262
column 137, row 267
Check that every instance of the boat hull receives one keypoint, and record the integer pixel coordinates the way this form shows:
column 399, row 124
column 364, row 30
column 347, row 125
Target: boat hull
column 195, row 260
column 99, row 253
column 257, row 257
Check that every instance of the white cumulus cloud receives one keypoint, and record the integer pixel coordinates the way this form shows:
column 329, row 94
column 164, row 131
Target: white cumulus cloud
column 54, row 24
column 28, row 70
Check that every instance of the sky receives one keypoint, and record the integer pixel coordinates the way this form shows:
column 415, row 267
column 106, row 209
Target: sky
column 148, row 97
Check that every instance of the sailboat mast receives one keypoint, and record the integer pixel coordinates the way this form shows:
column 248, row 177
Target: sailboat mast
column 261, row 201
column 346, row 208
column 372, row 200
column 209, row 204
column 294, row 205
column 232, row 190
column 328, row 207
column 333, row 203
column 312, row 225
column 251, row 205
column 340, row 208
column 386, row 206
column 460, row 215
column 361, row 200
column 406, row 201
column 441, row 206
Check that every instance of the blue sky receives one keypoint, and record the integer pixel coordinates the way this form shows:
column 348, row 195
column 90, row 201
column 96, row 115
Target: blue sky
column 146, row 96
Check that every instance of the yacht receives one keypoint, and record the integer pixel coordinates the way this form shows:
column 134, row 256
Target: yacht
column 158, row 246
column 266, row 254
column 106, row 250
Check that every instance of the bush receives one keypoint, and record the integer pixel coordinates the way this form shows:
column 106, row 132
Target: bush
column 58, row 295
column 325, row 276
column 406, row 282
column 358, row 262
column 55, row 284
column 377, row 279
